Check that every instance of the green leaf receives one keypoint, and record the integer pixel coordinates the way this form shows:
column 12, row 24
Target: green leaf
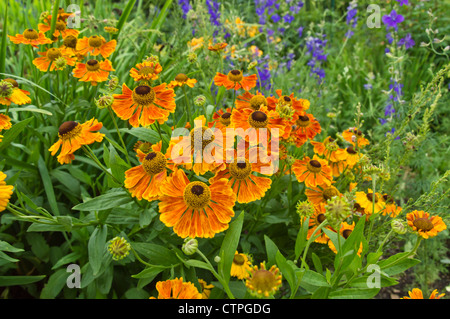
column 4, row 246
column 197, row 264
column 105, row 201
column 55, row 284
column 39, row 246
column 70, row 258
column 271, row 250
column 143, row 134
column 48, row 186
column 6, row 281
column 301, row 240
column 354, row 293
column 229, row 246
column 311, row 281
column 10, row 135
column 156, row 254
column 124, row 17
column 30, row 108
column 287, row 270
column 96, row 248
column 149, row 272
column 317, row 263
column 400, row 266
column 54, row 17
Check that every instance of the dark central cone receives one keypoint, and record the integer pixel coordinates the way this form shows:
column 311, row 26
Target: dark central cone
column 66, row 127
column 346, row 233
column 241, row 165
column 259, row 116
column 92, row 62
column 303, row 118
column 350, row 150
column 320, row 218
column 226, row 115
column 287, row 98
column 197, row 190
column 142, row 90
column 235, row 72
column 150, row 156
column 315, row 163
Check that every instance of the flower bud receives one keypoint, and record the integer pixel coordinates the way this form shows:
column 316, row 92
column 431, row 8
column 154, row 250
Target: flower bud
column 217, row 259
column 252, row 65
column 304, row 209
column 104, row 101
column 192, row 57
column 200, row 100
column 119, row 248
column 60, row 63
column 6, row 89
column 190, row 246
column 337, row 209
column 113, row 83
column 398, row 226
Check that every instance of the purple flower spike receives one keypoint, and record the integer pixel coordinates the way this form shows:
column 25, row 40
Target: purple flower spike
column 393, row 19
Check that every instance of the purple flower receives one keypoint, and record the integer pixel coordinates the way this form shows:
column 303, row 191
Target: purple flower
column 288, row 18
column 403, row 2
column 185, row 7
column 393, row 19
column 392, row 132
column 389, row 110
column 300, row 31
column 213, row 9
column 407, row 41
column 275, row 18
column 368, row 86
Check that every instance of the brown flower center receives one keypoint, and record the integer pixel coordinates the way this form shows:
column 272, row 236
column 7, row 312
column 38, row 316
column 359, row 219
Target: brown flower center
column 92, row 65
column 69, row 129
column 351, row 150
column 201, row 135
column 321, row 218
column 13, row 82
column 235, row 76
column 238, row 260
column 143, row 95
column 346, row 233
column 330, row 192
column 423, row 224
column 70, row 41
column 225, row 119
column 197, row 195
column 30, row 34
column 257, row 101
column 60, row 26
column 53, row 54
column 371, row 197
column 154, row 163
column 181, row 78
column 95, row 41
column 303, row 121
column 314, row 166
column 258, row 119
column 240, row 170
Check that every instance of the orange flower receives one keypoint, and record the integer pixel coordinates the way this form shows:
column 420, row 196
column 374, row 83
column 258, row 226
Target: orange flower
column 146, row 71
column 72, row 136
column 30, row 36
column 200, row 151
column 145, row 180
column 182, row 79
column 345, row 231
column 317, row 218
column 391, row 207
column 176, row 289
column 221, row 119
column 371, row 203
column 416, row 293
column 5, row 192
column 69, row 47
column 196, row 43
column 5, row 122
column 252, row 101
column 195, row 209
column 60, row 28
column 96, row 45
column 352, row 157
column 93, row 71
column 331, row 151
column 355, row 136
column 235, row 80
column 47, row 60
column 18, row 96
column 314, row 172
column 306, row 127
column 299, row 105
column 247, row 119
column 217, row 47
column 145, row 104
column 321, row 194
column 424, row 224
column 247, row 186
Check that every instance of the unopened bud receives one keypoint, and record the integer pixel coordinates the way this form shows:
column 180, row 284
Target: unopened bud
column 398, row 226
column 190, row 246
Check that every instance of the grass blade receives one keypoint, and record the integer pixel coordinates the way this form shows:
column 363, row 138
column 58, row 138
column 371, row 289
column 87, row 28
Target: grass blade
column 3, row 47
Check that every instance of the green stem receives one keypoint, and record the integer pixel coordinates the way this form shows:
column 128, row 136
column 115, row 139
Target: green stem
column 188, row 108
column 219, row 278
column 120, row 135
column 92, row 156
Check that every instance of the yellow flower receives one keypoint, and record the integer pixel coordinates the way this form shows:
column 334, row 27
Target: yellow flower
column 241, row 266
column 424, row 224
column 264, row 283
column 5, row 192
